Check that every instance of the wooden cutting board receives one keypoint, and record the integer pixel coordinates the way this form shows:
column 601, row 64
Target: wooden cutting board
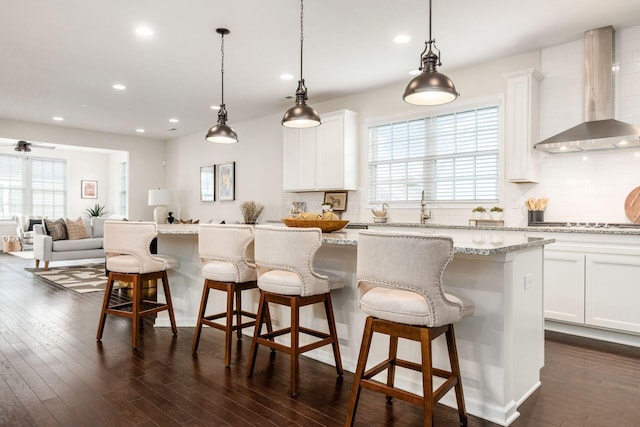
column 632, row 205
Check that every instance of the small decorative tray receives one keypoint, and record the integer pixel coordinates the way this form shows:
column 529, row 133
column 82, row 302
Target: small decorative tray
column 325, row 225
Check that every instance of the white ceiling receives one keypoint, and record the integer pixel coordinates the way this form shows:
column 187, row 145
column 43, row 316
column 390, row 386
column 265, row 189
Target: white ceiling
column 60, row 58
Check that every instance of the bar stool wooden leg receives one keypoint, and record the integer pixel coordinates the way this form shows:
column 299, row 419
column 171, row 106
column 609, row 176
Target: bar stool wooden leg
column 367, row 336
column 393, row 354
column 105, row 306
column 427, row 377
column 201, row 314
column 228, row 330
column 135, row 309
column 455, row 369
column 238, row 312
column 262, row 307
column 328, row 308
column 295, row 344
column 167, row 295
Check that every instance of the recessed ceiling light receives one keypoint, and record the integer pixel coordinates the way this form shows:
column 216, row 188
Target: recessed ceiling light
column 144, row 31
column 414, row 72
column 174, row 120
column 58, row 118
column 119, row 86
column 215, row 107
column 140, row 130
column 286, row 76
column 401, row 39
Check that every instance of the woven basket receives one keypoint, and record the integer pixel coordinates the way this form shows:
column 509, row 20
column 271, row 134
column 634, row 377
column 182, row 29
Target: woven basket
column 326, row 226
column 11, row 247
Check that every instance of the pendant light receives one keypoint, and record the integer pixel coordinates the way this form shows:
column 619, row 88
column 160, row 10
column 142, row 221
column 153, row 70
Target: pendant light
column 301, row 115
column 222, row 133
column 430, row 87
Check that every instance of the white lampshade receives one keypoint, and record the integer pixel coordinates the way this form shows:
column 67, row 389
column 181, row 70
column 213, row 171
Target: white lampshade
column 159, row 198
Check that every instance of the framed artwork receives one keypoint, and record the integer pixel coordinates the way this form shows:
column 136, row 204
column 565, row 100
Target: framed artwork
column 207, row 183
column 226, row 178
column 337, row 200
column 88, row 189
column 297, row 208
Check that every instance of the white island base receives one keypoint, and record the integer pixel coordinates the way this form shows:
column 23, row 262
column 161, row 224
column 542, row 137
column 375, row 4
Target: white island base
column 500, row 347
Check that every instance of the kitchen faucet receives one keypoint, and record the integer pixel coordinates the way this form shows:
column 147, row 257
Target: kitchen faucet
column 424, row 214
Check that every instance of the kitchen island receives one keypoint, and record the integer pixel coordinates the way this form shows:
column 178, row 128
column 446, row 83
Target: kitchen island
column 501, row 347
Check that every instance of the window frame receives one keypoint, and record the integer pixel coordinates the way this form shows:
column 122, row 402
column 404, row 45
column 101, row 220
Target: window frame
column 458, row 106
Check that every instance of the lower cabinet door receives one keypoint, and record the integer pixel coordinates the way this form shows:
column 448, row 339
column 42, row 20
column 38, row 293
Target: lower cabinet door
column 564, row 286
column 612, row 291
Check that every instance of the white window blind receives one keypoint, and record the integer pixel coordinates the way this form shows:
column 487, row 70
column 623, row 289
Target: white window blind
column 452, row 157
column 31, row 186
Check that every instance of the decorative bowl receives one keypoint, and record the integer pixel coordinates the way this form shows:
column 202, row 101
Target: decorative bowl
column 325, row 225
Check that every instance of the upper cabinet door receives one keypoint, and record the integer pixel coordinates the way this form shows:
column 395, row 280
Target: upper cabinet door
column 324, row 157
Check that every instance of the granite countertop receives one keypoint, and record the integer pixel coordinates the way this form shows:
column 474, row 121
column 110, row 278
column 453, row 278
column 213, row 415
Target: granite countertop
column 537, row 229
column 470, row 244
column 465, row 243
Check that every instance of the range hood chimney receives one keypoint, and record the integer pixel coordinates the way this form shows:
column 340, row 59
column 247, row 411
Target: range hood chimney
column 599, row 130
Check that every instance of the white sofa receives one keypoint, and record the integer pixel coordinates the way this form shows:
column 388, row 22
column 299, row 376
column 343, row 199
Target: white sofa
column 46, row 249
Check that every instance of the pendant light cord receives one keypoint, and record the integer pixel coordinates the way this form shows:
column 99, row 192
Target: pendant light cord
column 430, row 15
column 222, row 66
column 301, row 34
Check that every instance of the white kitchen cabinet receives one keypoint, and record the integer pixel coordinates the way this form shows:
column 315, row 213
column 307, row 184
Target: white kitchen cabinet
column 564, row 286
column 612, row 291
column 324, row 157
column 521, row 125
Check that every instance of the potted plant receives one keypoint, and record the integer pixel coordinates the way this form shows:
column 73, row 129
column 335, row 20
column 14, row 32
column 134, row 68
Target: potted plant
column 478, row 212
column 496, row 212
column 96, row 210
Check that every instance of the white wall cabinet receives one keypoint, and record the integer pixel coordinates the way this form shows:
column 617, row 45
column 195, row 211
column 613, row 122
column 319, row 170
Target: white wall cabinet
column 324, row 157
column 521, row 123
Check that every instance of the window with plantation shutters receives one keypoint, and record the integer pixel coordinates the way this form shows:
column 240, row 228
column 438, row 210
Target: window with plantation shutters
column 451, row 157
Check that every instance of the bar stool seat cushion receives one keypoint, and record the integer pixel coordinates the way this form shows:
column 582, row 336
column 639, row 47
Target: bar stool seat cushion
column 287, row 282
column 225, row 271
column 131, row 264
column 402, row 306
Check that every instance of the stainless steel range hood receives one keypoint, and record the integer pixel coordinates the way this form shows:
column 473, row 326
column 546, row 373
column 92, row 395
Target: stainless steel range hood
column 599, row 130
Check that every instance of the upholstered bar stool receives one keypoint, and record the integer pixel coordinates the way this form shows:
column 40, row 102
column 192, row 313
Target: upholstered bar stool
column 227, row 265
column 400, row 286
column 126, row 247
column 284, row 263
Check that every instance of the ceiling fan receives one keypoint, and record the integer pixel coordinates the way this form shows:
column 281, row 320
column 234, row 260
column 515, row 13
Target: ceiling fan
column 25, row 146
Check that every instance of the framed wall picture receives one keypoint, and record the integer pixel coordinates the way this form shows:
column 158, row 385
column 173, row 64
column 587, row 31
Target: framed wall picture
column 297, row 208
column 207, row 183
column 88, row 189
column 226, row 178
column 337, row 200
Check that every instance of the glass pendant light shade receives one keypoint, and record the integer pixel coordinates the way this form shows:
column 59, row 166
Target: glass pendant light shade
column 221, row 132
column 301, row 115
column 430, row 87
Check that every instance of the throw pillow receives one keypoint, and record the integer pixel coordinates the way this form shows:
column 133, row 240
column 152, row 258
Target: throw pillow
column 33, row 222
column 76, row 229
column 56, row 229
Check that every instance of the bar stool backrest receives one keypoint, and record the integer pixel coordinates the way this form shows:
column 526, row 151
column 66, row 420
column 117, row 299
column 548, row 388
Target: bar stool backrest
column 409, row 261
column 131, row 238
column 291, row 249
column 232, row 243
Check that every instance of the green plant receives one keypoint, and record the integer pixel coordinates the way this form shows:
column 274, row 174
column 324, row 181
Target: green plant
column 479, row 209
column 496, row 209
column 96, row 210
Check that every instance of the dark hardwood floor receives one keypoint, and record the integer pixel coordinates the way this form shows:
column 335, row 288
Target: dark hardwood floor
column 54, row 373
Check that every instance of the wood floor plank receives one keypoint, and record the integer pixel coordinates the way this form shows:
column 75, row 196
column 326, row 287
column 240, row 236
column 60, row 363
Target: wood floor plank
column 54, row 373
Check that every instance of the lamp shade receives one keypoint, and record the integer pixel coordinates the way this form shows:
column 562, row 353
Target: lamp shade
column 159, row 197
column 301, row 116
column 222, row 134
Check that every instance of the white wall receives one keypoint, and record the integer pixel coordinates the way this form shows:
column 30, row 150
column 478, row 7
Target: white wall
column 145, row 156
column 591, row 186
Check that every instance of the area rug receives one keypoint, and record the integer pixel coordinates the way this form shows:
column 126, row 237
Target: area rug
column 80, row 278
